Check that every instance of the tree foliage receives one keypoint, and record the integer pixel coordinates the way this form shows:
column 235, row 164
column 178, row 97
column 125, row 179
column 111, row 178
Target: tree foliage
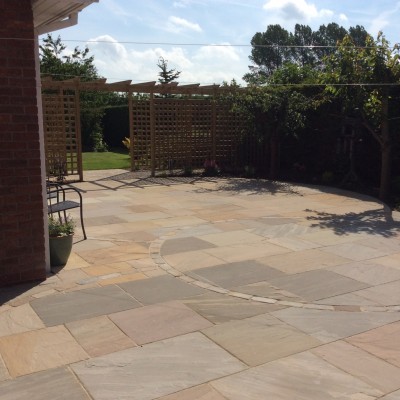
column 166, row 75
column 365, row 79
column 59, row 63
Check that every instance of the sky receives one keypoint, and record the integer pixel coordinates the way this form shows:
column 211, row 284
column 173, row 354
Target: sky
column 207, row 40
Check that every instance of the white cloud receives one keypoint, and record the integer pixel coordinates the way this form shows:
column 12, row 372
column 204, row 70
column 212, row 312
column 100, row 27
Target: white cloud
column 177, row 25
column 212, row 53
column 208, row 64
column 383, row 20
column 296, row 10
column 343, row 17
column 181, row 3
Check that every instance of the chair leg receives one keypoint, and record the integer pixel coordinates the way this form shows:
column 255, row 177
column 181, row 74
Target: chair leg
column 82, row 225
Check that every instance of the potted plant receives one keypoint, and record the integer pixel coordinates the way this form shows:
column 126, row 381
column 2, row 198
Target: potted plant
column 61, row 233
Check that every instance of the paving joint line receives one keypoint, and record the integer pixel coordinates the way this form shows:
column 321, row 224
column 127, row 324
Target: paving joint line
column 155, row 253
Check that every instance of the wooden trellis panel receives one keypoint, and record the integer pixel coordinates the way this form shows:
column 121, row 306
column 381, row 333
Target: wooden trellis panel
column 141, row 120
column 61, row 123
column 186, row 132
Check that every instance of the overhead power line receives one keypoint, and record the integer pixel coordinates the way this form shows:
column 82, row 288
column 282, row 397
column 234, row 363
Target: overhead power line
column 273, row 46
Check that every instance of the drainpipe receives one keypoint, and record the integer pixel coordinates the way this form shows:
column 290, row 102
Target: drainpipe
column 42, row 153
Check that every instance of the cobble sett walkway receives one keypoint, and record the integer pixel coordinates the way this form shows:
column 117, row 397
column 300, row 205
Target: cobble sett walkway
column 212, row 289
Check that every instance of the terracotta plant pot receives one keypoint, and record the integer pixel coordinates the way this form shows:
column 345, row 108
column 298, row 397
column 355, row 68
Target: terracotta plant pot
column 60, row 249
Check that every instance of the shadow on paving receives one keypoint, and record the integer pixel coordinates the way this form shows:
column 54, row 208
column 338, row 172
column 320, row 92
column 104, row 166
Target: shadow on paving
column 374, row 222
column 142, row 179
column 12, row 292
column 256, row 186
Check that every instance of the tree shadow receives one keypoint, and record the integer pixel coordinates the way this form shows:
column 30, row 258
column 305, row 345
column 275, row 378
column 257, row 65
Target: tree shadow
column 373, row 222
column 256, row 187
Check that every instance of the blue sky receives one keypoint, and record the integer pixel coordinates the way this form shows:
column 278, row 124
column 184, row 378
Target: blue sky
column 127, row 37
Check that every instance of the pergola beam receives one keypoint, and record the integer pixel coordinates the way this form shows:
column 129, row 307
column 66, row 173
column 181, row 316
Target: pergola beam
column 129, row 87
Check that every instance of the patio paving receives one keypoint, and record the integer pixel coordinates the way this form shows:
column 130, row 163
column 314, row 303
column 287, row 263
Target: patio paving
column 194, row 288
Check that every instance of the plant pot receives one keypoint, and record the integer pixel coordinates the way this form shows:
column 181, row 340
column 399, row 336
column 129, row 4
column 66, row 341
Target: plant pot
column 60, row 249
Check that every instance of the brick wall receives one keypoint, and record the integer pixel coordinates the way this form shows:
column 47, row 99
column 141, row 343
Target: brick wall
column 22, row 246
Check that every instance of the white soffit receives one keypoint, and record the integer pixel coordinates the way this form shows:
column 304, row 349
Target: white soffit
column 51, row 15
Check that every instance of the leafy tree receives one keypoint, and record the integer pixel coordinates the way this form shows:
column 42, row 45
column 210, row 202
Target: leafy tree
column 60, row 66
column 365, row 79
column 276, row 47
column 166, row 75
column 270, row 51
column 277, row 109
column 57, row 63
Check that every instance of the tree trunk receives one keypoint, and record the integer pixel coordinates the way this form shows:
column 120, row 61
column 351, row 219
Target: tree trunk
column 386, row 152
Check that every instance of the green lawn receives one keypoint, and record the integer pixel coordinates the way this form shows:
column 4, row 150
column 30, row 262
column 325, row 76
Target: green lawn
column 108, row 160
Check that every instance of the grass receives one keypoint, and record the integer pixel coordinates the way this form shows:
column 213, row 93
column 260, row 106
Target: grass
column 113, row 159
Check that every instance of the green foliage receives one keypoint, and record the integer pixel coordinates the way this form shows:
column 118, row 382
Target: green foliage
column 59, row 228
column 58, row 64
column 365, row 80
column 166, row 75
column 304, row 47
column 99, row 145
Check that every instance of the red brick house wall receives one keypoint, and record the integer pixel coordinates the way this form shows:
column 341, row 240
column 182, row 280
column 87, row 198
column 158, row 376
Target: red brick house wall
column 22, row 240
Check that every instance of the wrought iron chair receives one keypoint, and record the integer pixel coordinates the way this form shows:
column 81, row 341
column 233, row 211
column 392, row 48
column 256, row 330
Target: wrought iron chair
column 58, row 202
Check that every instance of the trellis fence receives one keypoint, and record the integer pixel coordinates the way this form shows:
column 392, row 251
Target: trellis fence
column 173, row 134
column 173, row 127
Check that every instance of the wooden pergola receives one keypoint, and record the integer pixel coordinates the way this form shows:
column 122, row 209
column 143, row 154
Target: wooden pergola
column 175, row 126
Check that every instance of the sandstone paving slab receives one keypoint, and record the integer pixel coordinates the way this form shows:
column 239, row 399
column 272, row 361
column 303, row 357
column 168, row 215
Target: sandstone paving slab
column 389, row 244
column 160, row 321
column 180, row 245
column 231, row 238
column 192, row 260
column 39, row 350
column 179, row 221
column 386, row 294
column 265, row 289
column 248, row 251
column 285, row 230
column 383, row 342
column 4, row 375
column 317, row 284
column 348, row 299
column 103, row 220
column 19, row 319
column 145, row 216
column 301, row 376
column 175, row 364
column 202, row 392
column 293, row 243
column 355, row 251
column 370, row 273
column 106, row 269
column 111, row 280
column 75, row 261
column 328, row 326
column 54, row 384
column 392, row 261
column 237, row 273
column 361, row 364
column 219, row 308
column 82, row 304
column 302, row 261
column 118, row 253
column 258, row 340
column 99, row 336
column 392, row 396
column 328, row 237
column 160, row 289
